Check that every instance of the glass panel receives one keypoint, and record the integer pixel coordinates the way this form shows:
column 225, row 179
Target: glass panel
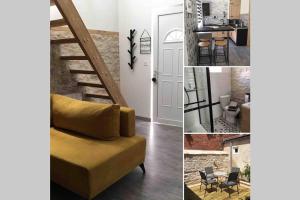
column 174, row 36
column 196, row 94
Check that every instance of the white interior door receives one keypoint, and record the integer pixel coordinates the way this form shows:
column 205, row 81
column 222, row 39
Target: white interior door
column 169, row 71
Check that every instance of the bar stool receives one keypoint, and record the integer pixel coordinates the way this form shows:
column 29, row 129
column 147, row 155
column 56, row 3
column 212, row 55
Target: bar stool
column 220, row 44
column 205, row 45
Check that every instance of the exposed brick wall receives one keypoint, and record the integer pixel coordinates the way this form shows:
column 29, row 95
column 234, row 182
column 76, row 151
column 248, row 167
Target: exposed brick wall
column 62, row 81
column 193, row 163
column 240, row 83
column 205, row 141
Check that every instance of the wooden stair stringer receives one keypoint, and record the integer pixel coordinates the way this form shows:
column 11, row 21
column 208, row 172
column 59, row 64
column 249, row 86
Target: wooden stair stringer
column 79, row 30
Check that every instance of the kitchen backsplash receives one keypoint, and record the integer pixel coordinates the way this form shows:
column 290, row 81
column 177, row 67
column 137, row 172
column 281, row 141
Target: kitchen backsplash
column 245, row 19
column 218, row 11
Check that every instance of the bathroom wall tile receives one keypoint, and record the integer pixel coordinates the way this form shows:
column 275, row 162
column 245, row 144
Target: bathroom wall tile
column 240, row 83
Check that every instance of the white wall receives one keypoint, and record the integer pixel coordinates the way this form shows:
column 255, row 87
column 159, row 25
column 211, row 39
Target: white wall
column 245, row 6
column 220, row 85
column 96, row 14
column 136, row 84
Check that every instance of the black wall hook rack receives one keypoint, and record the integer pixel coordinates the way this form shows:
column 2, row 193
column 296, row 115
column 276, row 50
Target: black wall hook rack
column 132, row 47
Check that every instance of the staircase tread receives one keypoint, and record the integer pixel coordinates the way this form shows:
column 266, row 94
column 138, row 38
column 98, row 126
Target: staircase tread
column 82, row 71
column 73, row 57
column 104, row 96
column 90, row 84
column 58, row 22
column 64, row 41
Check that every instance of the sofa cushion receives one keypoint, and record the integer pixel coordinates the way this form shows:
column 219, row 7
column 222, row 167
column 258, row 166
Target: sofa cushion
column 127, row 123
column 101, row 121
column 87, row 166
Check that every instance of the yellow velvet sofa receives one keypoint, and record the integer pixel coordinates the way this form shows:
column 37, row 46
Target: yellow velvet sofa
column 92, row 145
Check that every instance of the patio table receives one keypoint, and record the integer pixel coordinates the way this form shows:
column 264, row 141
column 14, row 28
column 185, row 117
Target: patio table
column 220, row 174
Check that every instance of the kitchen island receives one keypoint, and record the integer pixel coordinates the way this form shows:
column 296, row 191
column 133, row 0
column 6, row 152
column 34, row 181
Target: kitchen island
column 217, row 28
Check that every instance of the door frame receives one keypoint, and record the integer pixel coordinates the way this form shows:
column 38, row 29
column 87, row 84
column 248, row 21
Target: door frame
column 177, row 8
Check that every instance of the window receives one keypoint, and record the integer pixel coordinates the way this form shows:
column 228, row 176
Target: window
column 175, row 35
column 235, row 150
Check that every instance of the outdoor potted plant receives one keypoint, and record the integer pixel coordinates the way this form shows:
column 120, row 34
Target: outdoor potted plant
column 246, row 172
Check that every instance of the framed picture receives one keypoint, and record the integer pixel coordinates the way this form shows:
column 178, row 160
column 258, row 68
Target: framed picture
column 145, row 43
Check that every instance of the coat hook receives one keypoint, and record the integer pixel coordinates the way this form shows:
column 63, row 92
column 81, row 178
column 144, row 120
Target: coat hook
column 131, row 50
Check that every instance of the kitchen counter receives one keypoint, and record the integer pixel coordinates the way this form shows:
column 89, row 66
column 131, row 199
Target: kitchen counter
column 216, row 28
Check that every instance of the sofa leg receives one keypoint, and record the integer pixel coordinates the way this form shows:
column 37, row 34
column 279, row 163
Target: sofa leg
column 143, row 168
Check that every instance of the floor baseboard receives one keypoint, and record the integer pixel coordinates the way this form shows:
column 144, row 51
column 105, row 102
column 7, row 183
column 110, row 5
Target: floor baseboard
column 146, row 119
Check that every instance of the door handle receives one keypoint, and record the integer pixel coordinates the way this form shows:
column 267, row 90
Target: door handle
column 155, row 75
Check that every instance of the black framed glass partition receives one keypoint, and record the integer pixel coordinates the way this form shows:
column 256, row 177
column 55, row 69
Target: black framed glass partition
column 198, row 103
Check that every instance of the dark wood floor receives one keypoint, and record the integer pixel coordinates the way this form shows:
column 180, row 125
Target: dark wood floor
column 163, row 178
column 238, row 56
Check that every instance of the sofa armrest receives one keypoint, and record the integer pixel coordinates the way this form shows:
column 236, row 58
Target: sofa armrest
column 127, row 122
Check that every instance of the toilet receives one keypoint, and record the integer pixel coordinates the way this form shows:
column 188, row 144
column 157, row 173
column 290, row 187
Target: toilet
column 229, row 116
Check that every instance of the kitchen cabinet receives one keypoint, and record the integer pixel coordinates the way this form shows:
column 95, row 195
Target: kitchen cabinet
column 234, row 9
column 220, row 34
column 233, row 35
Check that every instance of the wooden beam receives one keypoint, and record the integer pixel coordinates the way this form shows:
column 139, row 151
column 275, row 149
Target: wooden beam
column 79, row 71
column 52, row 3
column 97, row 85
column 79, row 30
column 64, row 41
column 73, row 58
column 57, row 23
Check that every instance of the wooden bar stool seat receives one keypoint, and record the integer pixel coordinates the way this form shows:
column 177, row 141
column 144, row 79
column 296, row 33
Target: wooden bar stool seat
column 220, row 44
column 204, row 44
column 205, row 50
column 219, row 38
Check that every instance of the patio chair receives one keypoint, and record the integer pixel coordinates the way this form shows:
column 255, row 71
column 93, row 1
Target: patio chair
column 236, row 169
column 207, row 181
column 232, row 180
column 209, row 171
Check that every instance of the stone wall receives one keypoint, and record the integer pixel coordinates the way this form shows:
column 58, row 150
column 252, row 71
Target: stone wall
column 191, row 38
column 217, row 9
column 240, row 83
column 62, row 81
column 195, row 161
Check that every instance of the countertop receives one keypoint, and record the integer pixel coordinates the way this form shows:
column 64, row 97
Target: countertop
column 213, row 28
column 217, row 28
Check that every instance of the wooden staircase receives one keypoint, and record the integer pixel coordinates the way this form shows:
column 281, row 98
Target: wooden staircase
column 72, row 19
